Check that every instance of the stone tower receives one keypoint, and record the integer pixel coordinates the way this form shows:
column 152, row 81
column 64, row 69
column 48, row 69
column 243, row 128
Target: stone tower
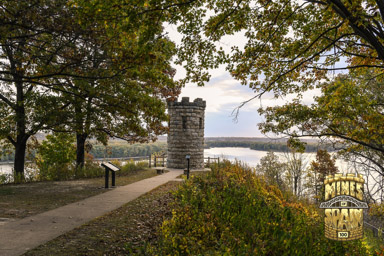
column 186, row 133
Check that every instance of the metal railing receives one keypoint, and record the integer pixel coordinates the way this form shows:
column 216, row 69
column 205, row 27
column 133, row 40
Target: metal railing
column 158, row 161
column 134, row 158
column 209, row 160
column 375, row 230
column 6, row 163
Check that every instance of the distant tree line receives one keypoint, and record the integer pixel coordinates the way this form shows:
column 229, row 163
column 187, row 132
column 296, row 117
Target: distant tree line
column 114, row 150
column 5, row 157
column 126, row 150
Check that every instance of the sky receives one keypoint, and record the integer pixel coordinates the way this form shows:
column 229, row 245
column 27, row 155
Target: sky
column 223, row 94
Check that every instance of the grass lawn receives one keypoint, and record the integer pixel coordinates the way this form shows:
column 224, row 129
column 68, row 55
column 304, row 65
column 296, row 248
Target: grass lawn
column 23, row 200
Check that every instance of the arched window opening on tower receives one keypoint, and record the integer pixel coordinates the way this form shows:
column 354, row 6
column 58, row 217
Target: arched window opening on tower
column 184, row 122
column 200, row 123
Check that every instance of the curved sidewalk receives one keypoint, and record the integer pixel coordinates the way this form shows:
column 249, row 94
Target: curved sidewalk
column 17, row 237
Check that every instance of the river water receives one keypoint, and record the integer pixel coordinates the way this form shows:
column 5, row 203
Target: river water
column 252, row 157
column 5, row 168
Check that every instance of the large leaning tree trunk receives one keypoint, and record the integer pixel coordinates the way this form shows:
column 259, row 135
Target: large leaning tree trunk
column 80, row 149
column 19, row 162
column 21, row 137
column 83, row 112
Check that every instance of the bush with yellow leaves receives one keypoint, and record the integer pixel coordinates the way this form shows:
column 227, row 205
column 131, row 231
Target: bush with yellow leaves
column 232, row 212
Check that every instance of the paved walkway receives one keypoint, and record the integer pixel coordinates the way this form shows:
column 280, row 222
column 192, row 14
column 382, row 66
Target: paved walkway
column 17, row 237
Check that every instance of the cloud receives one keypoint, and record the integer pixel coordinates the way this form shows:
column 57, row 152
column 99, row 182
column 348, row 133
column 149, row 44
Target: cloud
column 268, row 100
column 219, row 93
column 221, row 124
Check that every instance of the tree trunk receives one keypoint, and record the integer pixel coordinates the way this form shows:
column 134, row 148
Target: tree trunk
column 80, row 149
column 21, row 136
column 20, row 148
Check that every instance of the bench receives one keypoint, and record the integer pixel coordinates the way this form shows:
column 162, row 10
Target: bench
column 110, row 168
column 159, row 170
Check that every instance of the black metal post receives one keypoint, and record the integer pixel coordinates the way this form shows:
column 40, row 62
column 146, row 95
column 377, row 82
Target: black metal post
column 150, row 157
column 106, row 178
column 188, row 169
column 155, row 161
column 113, row 179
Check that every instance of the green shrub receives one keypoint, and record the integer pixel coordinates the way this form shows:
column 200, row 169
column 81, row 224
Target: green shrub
column 123, row 149
column 30, row 173
column 232, row 212
column 55, row 157
column 90, row 170
column 142, row 165
column 375, row 244
column 132, row 166
column 116, row 163
column 6, row 178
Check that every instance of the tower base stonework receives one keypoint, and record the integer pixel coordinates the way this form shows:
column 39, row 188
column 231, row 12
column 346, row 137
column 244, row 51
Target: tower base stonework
column 186, row 133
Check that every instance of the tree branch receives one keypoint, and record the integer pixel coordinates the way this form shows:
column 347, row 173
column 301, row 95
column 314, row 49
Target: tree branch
column 362, row 31
column 7, row 101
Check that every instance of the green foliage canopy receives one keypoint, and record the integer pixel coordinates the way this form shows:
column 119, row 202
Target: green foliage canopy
column 35, row 38
column 59, row 55
column 125, row 75
column 348, row 109
column 290, row 45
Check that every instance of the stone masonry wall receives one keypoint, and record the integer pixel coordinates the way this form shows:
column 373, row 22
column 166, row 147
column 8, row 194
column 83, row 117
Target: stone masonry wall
column 186, row 133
